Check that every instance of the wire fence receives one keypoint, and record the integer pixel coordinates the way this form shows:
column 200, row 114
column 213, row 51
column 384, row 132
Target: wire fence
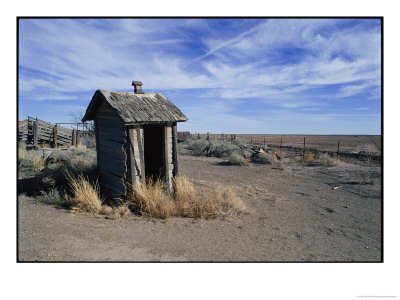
column 345, row 144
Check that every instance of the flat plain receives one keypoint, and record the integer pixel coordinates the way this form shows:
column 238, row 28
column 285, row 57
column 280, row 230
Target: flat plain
column 300, row 213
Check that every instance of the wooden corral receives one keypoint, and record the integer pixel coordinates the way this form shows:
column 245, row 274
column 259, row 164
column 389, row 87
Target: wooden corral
column 34, row 131
column 136, row 138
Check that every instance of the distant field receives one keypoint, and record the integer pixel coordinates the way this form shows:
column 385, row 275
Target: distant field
column 348, row 143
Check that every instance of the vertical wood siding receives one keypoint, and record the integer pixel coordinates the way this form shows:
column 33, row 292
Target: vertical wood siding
column 111, row 149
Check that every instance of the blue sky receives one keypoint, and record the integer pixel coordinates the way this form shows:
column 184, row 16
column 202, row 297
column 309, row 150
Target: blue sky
column 272, row 76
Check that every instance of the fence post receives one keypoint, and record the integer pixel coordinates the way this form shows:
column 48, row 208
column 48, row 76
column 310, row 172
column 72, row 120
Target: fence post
column 304, row 147
column 34, row 131
column 280, row 146
column 264, row 142
column 73, row 137
column 338, row 144
column 251, row 140
column 208, row 136
column 78, row 137
column 55, row 135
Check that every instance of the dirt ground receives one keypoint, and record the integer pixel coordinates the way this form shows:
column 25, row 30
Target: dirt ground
column 301, row 213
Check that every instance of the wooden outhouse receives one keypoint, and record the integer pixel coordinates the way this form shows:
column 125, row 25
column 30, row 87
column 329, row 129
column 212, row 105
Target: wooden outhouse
column 136, row 137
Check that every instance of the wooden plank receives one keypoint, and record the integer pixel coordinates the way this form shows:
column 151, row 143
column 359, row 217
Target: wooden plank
column 73, row 137
column 137, row 158
column 112, row 151
column 140, row 144
column 113, row 166
column 111, row 144
column 112, row 182
column 107, row 136
column 34, row 133
column 97, row 141
column 131, row 158
column 55, row 135
column 168, row 179
column 174, row 149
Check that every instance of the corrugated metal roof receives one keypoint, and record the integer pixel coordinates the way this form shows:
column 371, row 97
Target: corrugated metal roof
column 137, row 108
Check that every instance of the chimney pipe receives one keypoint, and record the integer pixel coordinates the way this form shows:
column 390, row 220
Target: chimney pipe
column 138, row 87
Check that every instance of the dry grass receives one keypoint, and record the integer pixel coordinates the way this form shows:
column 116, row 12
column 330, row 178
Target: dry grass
column 85, row 195
column 327, row 161
column 267, row 158
column 119, row 212
column 308, row 158
column 152, row 199
column 86, row 198
column 29, row 160
column 236, row 159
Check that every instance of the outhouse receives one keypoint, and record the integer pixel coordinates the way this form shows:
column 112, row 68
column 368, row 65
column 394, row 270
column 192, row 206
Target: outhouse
column 136, row 137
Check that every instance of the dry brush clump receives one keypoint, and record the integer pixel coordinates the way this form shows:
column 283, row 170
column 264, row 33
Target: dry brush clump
column 308, row 158
column 327, row 161
column 29, row 161
column 208, row 147
column 267, row 158
column 152, row 199
column 237, row 159
column 85, row 196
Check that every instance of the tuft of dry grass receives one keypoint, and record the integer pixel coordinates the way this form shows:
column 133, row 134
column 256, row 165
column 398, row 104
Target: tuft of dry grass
column 308, row 158
column 153, row 200
column 327, row 161
column 267, row 158
column 119, row 212
column 29, row 160
column 86, row 198
column 236, row 159
column 85, row 195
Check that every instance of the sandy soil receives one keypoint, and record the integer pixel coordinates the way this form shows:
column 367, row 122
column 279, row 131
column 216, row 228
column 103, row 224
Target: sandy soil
column 302, row 213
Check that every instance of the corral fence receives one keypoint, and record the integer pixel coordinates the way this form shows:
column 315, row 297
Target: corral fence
column 34, row 131
column 345, row 146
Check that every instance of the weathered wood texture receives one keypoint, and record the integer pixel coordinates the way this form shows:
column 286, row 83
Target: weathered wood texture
column 136, row 156
column 168, row 155
column 111, row 151
column 136, row 108
column 44, row 133
column 175, row 149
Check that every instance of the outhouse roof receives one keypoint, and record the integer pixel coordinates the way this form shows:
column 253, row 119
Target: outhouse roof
column 137, row 108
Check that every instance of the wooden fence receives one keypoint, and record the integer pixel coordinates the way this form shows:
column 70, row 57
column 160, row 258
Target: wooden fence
column 34, row 131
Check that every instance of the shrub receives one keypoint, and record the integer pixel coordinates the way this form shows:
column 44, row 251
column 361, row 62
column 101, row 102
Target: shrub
column 29, row 161
column 327, row 161
column 197, row 146
column 282, row 164
column 365, row 178
column 236, row 159
column 52, row 196
column 267, row 158
column 218, row 149
column 308, row 158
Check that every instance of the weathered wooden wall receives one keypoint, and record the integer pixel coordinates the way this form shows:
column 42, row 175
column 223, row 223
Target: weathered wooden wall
column 111, row 149
column 136, row 155
column 168, row 155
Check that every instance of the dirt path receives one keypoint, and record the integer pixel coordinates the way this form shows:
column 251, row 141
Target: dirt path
column 298, row 216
